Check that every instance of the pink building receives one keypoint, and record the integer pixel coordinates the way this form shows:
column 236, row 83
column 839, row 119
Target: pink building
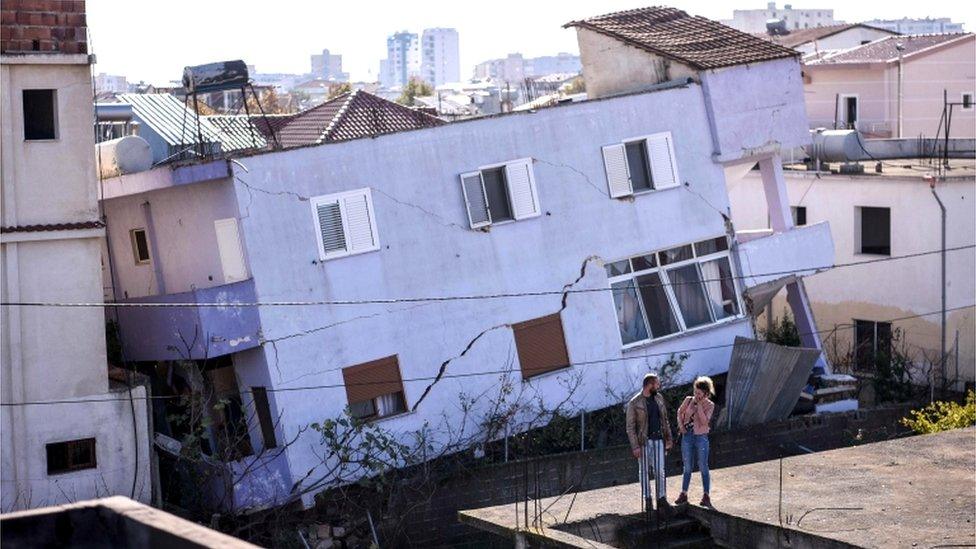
column 858, row 87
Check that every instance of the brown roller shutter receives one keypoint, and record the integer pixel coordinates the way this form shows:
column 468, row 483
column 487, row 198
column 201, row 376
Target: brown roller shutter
column 541, row 345
column 372, row 379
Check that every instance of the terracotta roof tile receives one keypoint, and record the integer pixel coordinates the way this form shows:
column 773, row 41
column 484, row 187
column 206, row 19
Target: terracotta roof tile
column 77, row 226
column 351, row 116
column 693, row 40
column 885, row 50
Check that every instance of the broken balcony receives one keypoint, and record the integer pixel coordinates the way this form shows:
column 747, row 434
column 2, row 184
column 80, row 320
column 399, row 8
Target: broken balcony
column 192, row 325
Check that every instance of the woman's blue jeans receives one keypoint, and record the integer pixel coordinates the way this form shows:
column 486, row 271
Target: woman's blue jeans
column 694, row 448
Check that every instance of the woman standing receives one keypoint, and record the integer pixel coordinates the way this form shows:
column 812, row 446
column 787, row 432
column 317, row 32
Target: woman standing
column 694, row 417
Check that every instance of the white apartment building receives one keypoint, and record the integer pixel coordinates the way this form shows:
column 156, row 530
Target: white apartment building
column 68, row 432
column 440, row 61
column 402, row 59
column 111, row 83
column 928, row 25
column 754, row 20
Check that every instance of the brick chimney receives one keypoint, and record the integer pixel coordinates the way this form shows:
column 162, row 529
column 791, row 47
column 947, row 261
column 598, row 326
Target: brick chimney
column 45, row 26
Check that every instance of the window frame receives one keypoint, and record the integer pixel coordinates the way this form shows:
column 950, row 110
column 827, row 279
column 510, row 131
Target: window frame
column 479, row 171
column 874, row 343
column 135, row 246
column 649, row 165
column 795, row 214
column 842, row 109
column 696, row 260
column 859, row 231
column 401, row 393
column 71, row 467
column 339, row 198
column 54, row 114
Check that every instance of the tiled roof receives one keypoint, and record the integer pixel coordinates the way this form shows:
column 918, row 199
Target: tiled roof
column 803, row 36
column 237, row 132
column 80, row 225
column 885, row 50
column 693, row 40
column 351, row 116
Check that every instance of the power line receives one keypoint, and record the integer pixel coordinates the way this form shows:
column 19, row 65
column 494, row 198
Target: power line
column 470, row 297
column 481, row 373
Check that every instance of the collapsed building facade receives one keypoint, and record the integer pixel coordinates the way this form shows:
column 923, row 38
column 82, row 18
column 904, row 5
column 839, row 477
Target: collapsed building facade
column 397, row 272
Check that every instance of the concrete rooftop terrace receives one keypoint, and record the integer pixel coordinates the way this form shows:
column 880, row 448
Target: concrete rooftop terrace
column 911, row 492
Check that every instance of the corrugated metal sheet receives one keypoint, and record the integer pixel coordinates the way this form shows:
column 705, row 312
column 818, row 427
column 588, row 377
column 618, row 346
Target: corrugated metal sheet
column 237, row 132
column 764, row 381
column 168, row 117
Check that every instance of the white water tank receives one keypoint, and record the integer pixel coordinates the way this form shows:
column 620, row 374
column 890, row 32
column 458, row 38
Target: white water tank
column 835, row 145
column 129, row 154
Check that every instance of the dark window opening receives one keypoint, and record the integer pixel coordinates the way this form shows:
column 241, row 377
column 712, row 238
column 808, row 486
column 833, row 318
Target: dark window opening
column 850, row 112
column 872, row 344
column 40, row 114
column 640, row 173
column 72, row 455
column 497, row 193
column 799, row 215
column 876, row 231
column 140, row 246
column 967, row 100
column 374, row 389
column 263, row 409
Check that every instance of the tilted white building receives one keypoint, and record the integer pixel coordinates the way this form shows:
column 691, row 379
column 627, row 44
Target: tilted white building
column 588, row 240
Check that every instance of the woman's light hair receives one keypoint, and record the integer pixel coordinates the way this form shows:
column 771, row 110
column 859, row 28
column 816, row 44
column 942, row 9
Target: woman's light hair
column 705, row 384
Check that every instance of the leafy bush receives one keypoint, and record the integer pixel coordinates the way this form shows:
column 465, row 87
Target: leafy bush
column 782, row 332
column 943, row 416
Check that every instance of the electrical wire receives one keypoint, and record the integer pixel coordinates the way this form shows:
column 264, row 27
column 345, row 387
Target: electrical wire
column 470, row 297
column 486, row 372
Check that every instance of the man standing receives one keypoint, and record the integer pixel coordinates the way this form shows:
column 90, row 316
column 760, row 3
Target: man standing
column 650, row 437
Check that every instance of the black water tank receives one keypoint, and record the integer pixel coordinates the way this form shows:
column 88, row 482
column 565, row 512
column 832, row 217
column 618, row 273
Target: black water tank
column 225, row 75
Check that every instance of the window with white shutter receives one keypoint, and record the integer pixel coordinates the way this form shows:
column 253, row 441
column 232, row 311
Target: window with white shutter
column 501, row 192
column 640, row 164
column 344, row 224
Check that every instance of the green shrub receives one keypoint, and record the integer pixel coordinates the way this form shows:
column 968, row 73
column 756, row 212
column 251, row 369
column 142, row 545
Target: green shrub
column 943, row 416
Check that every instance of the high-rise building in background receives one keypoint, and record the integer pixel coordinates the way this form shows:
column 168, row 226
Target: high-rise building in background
column 755, row 20
column 515, row 68
column 402, row 59
column 917, row 26
column 328, row 66
column 111, row 83
column 440, row 62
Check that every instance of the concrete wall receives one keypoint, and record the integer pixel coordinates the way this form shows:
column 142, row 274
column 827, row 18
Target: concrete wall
column 180, row 216
column 428, row 249
column 53, row 354
column 771, row 117
column 889, row 289
column 612, row 67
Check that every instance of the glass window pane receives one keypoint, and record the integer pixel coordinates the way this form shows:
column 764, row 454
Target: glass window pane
column 497, row 195
column 876, row 231
column 644, row 262
column 629, row 317
column 690, row 295
column 711, row 246
column 618, row 268
column 674, row 255
column 362, row 410
column 656, row 304
column 717, row 276
column 637, row 162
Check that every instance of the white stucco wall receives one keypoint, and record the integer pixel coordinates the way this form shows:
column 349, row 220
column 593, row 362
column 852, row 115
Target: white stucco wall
column 183, row 220
column 53, row 354
column 891, row 289
column 849, row 38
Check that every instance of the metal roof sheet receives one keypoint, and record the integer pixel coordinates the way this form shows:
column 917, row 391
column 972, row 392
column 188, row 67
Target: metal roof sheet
column 171, row 119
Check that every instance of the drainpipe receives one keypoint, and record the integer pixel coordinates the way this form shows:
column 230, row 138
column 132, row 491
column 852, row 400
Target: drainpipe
column 942, row 339
column 901, row 87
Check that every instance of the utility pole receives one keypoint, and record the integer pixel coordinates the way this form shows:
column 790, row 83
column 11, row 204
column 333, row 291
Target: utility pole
column 901, row 87
column 942, row 339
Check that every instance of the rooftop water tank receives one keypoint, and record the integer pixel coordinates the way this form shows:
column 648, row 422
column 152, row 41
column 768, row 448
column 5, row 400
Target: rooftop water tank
column 835, row 145
column 129, row 154
column 225, row 75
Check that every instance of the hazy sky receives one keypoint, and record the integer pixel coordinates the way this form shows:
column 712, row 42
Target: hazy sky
column 153, row 41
